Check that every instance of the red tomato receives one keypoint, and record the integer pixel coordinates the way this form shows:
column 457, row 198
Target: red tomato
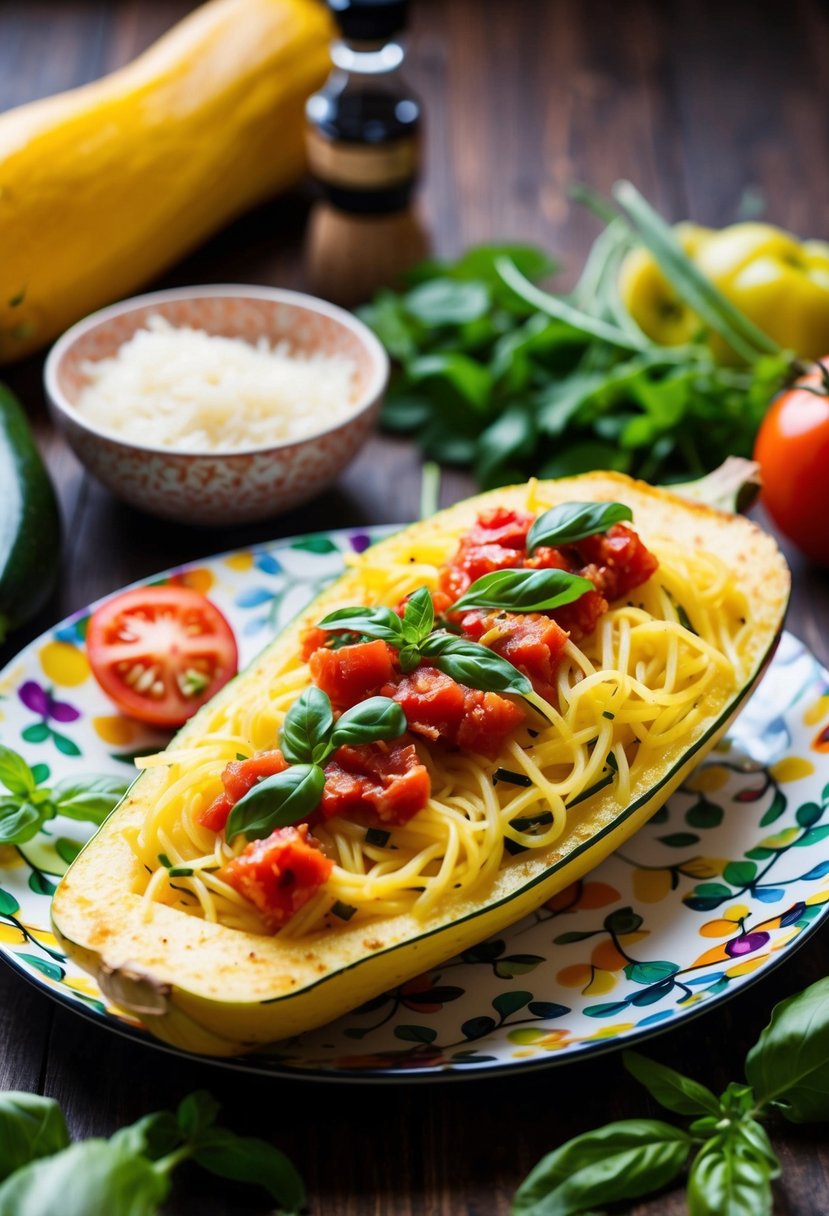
column 160, row 652
column 792, row 450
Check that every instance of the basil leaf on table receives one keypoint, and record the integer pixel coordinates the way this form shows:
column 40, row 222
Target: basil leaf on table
column 623, row 1160
column 277, row 802
column 30, row 1127
column 789, row 1064
column 94, row 1176
column 727, row 1178
column 153, row 1136
column 670, row 1088
column 474, row 665
column 307, row 727
column 523, row 590
column 378, row 623
column 368, row 722
column 447, row 302
column 196, row 1113
column 572, row 521
column 249, row 1159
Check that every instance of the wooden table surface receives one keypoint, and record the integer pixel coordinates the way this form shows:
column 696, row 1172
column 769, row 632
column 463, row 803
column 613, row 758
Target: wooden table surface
column 696, row 102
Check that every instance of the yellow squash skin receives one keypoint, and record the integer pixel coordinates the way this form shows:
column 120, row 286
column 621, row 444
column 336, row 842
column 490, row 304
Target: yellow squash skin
column 210, row 989
column 104, row 186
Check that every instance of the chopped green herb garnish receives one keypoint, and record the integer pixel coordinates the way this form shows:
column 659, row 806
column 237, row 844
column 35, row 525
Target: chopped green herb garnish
column 607, row 714
column 343, row 911
column 241, row 756
column 180, row 871
column 593, row 789
column 165, row 861
column 612, row 762
column 685, row 620
column 378, row 837
column 532, row 821
column 506, row 774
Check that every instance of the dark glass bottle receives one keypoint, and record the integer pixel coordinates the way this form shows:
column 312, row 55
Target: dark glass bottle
column 364, row 130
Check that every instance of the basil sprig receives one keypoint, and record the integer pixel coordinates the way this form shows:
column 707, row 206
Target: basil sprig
column 573, row 521
column 28, row 804
column 413, row 637
column 523, row 590
column 309, row 737
column 129, row 1174
column 732, row 1161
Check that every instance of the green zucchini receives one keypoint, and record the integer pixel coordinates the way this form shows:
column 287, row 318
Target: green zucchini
column 213, row 989
column 29, row 521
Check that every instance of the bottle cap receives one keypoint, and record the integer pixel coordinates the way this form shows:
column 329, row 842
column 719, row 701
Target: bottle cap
column 369, row 20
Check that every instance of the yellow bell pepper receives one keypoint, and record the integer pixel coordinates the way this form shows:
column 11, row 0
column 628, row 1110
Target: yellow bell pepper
column 778, row 282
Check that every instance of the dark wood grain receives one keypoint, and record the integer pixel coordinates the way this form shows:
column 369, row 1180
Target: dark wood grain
column 696, row 102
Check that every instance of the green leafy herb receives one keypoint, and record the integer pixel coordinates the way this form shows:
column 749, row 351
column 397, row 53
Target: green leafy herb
column 734, row 1162
column 495, row 373
column 378, row 837
column 309, row 737
column 277, row 802
column 28, row 805
column 129, row 1174
column 465, row 661
column 572, row 521
column 506, row 774
column 524, row 590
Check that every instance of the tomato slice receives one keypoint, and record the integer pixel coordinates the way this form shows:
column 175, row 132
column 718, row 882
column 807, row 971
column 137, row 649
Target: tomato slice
column 160, row 652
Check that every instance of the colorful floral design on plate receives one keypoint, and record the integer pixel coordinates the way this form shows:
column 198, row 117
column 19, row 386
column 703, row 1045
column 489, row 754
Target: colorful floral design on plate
column 720, row 884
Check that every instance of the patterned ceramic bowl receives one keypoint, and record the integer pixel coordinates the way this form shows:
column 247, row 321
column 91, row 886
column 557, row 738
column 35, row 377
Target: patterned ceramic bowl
column 219, row 487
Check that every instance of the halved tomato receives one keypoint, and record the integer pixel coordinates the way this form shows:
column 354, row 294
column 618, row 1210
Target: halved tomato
column 160, row 652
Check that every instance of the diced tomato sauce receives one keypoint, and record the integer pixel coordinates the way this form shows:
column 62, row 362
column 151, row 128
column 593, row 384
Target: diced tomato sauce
column 238, row 778
column 350, row 674
column 279, row 874
column 386, row 779
column 531, row 641
column 440, row 709
column 623, row 562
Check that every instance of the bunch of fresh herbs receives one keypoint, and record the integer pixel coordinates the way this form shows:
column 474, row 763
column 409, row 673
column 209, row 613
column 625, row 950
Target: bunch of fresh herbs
column 732, row 1161
column 493, row 373
column 43, row 1172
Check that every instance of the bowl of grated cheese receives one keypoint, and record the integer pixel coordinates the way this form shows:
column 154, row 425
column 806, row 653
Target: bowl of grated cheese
column 217, row 405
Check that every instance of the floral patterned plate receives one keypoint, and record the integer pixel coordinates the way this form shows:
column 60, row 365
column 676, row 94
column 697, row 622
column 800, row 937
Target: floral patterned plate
column 725, row 879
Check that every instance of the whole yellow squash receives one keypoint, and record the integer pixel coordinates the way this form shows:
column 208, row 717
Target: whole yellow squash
column 104, row 186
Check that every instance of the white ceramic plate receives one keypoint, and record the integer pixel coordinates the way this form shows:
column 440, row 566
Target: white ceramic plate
column 722, row 882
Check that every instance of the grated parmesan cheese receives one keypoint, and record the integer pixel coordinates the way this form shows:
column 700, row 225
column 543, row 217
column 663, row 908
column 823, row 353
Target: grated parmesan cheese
column 184, row 389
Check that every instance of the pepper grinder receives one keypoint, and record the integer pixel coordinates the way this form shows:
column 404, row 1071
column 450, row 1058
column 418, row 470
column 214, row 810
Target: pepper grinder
column 363, row 134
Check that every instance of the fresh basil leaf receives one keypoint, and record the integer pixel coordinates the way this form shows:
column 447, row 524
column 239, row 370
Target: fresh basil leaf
column 789, row 1064
column 93, row 1176
column 470, row 380
column 418, row 616
column 512, row 436
column 399, row 333
column 246, row 1159
column 90, row 798
column 20, row 821
column 727, row 1180
column 196, row 1113
column 368, row 722
column 582, row 457
column 670, row 1088
column 623, row 1160
column 30, row 1127
column 307, row 727
column 447, row 302
column 474, row 665
column 572, row 521
column 408, row 658
column 277, row 802
column 756, row 1141
column 153, row 1136
column 379, row 623
column 524, row 590
column 15, row 773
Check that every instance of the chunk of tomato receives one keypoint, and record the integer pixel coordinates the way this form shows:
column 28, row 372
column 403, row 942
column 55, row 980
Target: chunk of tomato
column 279, row 874
column 238, row 778
column 386, row 779
column 352, row 673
